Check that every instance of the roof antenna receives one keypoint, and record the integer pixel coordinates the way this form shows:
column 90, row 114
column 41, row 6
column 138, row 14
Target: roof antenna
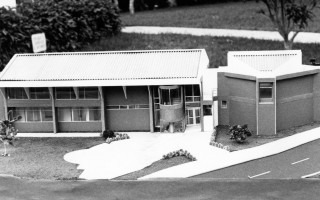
column 313, row 62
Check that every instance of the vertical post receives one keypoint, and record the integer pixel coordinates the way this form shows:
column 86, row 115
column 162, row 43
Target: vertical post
column 151, row 109
column 5, row 101
column 201, row 105
column 103, row 110
column 53, row 107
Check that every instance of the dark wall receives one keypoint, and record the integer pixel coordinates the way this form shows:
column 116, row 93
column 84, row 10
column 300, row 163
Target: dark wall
column 34, row 127
column 2, row 114
column 79, row 127
column 127, row 120
column 295, row 102
column 240, row 95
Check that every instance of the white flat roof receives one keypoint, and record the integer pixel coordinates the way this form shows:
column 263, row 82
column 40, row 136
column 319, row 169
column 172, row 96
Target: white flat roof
column 266, row 64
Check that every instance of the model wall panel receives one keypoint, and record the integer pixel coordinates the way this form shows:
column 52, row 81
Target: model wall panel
column 135, row 95
column 34, row 127
column 243, row 113
column 2, row 109
column 79, row 127
column 77, row 103
column 316, row 97
column 128, row 120
column 223, row 94
column 29, row 103
column 242, row 88
column 294, row 113
column 295, row 86
column 266, row 119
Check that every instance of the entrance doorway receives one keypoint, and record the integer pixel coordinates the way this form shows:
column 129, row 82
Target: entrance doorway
column 193, row 115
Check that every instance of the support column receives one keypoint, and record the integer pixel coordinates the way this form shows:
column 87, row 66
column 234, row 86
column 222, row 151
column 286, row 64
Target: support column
column 151, row 114
column 53, row 107
column 201, row 105
column 5, row 102
column 103, row 110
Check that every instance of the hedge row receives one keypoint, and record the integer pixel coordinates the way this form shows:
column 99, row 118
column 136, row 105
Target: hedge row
column 67, row 24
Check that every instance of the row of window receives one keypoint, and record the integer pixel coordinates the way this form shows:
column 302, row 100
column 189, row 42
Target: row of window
column 127, row 107
column 61, row 93
column 76, row 114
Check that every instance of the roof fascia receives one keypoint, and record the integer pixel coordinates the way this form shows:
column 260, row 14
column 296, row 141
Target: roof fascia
column 297, row 74
column 239, row 76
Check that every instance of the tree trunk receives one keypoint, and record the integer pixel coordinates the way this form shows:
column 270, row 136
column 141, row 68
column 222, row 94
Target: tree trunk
column 287, row 45
column 131, row 6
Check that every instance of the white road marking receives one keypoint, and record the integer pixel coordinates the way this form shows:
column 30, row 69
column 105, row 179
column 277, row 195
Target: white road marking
column 259, row 174
column 313, row 174
column 299, row 161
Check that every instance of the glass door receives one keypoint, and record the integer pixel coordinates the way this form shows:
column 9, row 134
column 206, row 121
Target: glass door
column 193, row 116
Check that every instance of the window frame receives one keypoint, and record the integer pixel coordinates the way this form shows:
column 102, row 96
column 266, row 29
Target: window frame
column 26, row 110
column 224, row 104
column 71, row 90
column 266, row 85
column 77, row 109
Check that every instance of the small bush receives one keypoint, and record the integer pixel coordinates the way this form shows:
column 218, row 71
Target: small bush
column 108, row 134
column 179, row 153
column 239, row 133
column 118, row 136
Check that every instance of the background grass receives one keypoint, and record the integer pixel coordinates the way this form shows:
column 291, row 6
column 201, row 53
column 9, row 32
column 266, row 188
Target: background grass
column 231, row 15
column 217, row 48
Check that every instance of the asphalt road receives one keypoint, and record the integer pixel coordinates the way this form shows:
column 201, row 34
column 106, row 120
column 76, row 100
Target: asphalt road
column 13, row 188
column 294, row 163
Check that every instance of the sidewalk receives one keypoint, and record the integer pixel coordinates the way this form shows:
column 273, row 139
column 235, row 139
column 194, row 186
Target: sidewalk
column 200, row 167
column 303, row 37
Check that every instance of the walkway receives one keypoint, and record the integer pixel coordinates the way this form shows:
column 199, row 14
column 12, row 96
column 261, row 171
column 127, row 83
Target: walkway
column 108, row 161
column 303, row 37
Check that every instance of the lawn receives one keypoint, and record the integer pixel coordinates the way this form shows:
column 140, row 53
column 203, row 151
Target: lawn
column 42, row 158
column 231, row 15
column 217, row 48
column 255, row 140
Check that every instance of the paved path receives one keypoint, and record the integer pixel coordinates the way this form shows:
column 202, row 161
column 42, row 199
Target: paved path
column 186, row 189
column 303, row 37
column 108, row 161
column 294, row 163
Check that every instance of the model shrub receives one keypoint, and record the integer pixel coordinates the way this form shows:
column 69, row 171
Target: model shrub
column 67, row 24
column 118, row 136
column 8, row 133
column 239, row 133
column 179, row 153
column 108, row 134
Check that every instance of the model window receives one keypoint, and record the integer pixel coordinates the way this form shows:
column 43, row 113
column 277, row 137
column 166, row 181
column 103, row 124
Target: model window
column 265, row 92
column 16, row 93
column 207, row 110
column 39, row 93
column 170, row 96
column 65, row 93
column 127, row 107
column 192, row 93
column 33, row 114
column 224, row 104
column 88, row 93
column 79, row 114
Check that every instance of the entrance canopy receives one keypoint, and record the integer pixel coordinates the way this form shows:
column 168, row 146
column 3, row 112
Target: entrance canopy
column 116, row 68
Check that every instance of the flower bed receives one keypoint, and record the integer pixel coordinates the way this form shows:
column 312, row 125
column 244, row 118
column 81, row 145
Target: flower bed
column 179, row 153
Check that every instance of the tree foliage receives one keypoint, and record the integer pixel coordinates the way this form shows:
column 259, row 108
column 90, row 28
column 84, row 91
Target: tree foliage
column 289, row 16
column 67, row 24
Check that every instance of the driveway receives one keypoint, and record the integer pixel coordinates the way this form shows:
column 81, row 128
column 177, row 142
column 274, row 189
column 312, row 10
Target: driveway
column 294, row 163
column 108, row 161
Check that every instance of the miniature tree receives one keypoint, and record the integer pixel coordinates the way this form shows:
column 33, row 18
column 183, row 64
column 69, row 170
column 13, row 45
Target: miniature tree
column 289, row 16
column 8, row 132
column 239, row 133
